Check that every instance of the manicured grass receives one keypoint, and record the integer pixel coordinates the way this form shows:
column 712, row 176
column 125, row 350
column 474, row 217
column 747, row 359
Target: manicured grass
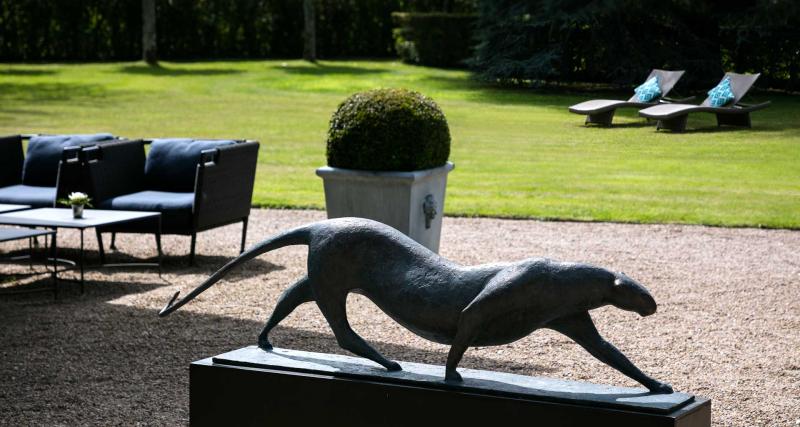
column 518, row 153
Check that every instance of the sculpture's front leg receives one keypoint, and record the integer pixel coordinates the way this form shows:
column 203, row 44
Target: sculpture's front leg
column 581, row 329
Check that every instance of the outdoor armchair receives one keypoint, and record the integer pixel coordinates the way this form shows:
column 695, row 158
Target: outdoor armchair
column 196, row 185
column 601, row 111
column 674, row 116
column 51, row 168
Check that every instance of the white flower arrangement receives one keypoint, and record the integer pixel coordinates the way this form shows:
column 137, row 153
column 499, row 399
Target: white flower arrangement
column 77, row 199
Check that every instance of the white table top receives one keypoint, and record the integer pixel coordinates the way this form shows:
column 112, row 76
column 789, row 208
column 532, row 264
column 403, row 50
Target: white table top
column 11, row 208
column 9, row 234
column 62, row 217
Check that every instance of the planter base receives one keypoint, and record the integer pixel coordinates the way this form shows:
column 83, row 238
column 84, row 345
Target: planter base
column 411, row 202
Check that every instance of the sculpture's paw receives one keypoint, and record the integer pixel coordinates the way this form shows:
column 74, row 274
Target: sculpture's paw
column 453, row 376
column 264, row 344
column 660, row 388
column 394, row 366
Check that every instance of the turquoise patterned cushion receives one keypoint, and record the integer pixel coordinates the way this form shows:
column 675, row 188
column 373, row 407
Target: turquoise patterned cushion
column 649, row 90
column 722, row 93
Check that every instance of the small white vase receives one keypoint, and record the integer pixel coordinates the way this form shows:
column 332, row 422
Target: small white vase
column 77, row 211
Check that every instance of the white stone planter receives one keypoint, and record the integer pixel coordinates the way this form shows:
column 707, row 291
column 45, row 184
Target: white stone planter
column 412, row 202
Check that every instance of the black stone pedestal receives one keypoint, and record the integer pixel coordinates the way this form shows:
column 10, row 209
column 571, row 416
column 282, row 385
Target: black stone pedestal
column 250, row 386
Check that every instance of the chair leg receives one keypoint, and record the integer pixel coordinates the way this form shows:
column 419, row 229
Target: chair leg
column 113, row 246
column 741, row 120
column 602, row 119
column 677, row 124
column 191, row 250
column 30, row 252
column 244, row 234
column 100, row 246
column 158, row 243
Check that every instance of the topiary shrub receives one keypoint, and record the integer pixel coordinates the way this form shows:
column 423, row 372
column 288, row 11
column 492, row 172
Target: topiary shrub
column 388, row 130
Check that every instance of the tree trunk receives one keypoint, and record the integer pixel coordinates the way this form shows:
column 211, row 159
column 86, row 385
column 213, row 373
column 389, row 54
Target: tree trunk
column 149, row 32
column 309, row 32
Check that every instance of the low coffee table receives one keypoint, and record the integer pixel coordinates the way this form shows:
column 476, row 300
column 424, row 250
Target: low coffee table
column 55, row 218
column 11, row 234
column 12, row 208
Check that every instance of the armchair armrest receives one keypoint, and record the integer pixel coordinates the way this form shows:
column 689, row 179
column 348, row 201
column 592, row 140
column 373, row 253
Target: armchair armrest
column 114, row 168
column 224, row 184
column 70, row 176
column 11, row 160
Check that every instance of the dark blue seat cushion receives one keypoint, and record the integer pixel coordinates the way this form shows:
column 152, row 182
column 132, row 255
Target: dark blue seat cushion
column 44, row 153
column 37, row 197
column 175, row 208
column 172, row 163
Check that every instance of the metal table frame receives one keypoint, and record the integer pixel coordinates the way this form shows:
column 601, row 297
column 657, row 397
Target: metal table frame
column 55, row 218
column 13, row 234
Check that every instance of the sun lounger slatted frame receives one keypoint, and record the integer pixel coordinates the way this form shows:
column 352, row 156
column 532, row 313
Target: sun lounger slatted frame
column 673, row 117
column 601, row 111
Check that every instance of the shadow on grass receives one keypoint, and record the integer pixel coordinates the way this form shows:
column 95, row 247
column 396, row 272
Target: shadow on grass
column 627, row 125
column 160, row 71
column 715, row 129
column 487, row 93
column 324, row 70
column 28, row 72
column 47, row 92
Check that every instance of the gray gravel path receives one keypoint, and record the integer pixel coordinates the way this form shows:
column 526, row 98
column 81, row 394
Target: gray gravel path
column 728, row 325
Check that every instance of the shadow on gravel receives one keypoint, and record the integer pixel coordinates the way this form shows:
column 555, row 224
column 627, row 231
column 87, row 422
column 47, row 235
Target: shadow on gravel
column 82, row 360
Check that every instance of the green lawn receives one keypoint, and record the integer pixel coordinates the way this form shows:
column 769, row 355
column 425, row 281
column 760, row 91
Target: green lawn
column 518, row 153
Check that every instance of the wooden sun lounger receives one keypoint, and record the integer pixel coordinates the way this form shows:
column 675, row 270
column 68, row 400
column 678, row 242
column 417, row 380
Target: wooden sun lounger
column 601, row 111
column 673, row 116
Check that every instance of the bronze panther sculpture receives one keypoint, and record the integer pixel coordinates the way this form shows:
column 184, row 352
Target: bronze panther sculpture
column 442, row 301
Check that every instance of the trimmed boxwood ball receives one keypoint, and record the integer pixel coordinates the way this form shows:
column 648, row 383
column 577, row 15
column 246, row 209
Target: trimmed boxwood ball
column 388, row 130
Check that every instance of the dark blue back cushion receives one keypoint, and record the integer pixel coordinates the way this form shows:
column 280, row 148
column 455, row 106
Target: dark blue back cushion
column 44, row 152
column 172, row 163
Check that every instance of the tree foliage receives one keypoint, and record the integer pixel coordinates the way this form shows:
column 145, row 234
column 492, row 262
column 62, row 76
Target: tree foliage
column 618, row 41
column 74, row 30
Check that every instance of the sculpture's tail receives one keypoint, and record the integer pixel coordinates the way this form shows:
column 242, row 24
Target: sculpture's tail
column 297, row 236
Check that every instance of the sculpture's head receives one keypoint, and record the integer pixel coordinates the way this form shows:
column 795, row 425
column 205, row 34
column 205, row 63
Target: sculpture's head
column 628, row 294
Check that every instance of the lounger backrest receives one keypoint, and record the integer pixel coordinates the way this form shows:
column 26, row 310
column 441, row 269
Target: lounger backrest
column 740, row 85
column 666, row 81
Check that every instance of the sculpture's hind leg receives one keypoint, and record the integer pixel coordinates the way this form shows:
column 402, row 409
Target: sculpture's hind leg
column 333, row 308
column 467, row 331
column 297, row 294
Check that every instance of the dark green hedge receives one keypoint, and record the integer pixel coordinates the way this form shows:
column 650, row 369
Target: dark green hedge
column 388, row 130
column 619, row 41
column 33, row 30
column 435, row 39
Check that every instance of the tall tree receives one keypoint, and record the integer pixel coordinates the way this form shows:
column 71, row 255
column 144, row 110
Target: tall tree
column 149, row 32
column 613, row 41
column 309, row 31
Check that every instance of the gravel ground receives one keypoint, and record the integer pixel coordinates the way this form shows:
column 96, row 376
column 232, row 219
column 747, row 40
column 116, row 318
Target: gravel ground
column 728, row 325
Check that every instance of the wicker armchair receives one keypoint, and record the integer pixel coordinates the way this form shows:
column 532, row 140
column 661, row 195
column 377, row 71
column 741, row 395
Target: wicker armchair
column 51, row 169
column 197, row 185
